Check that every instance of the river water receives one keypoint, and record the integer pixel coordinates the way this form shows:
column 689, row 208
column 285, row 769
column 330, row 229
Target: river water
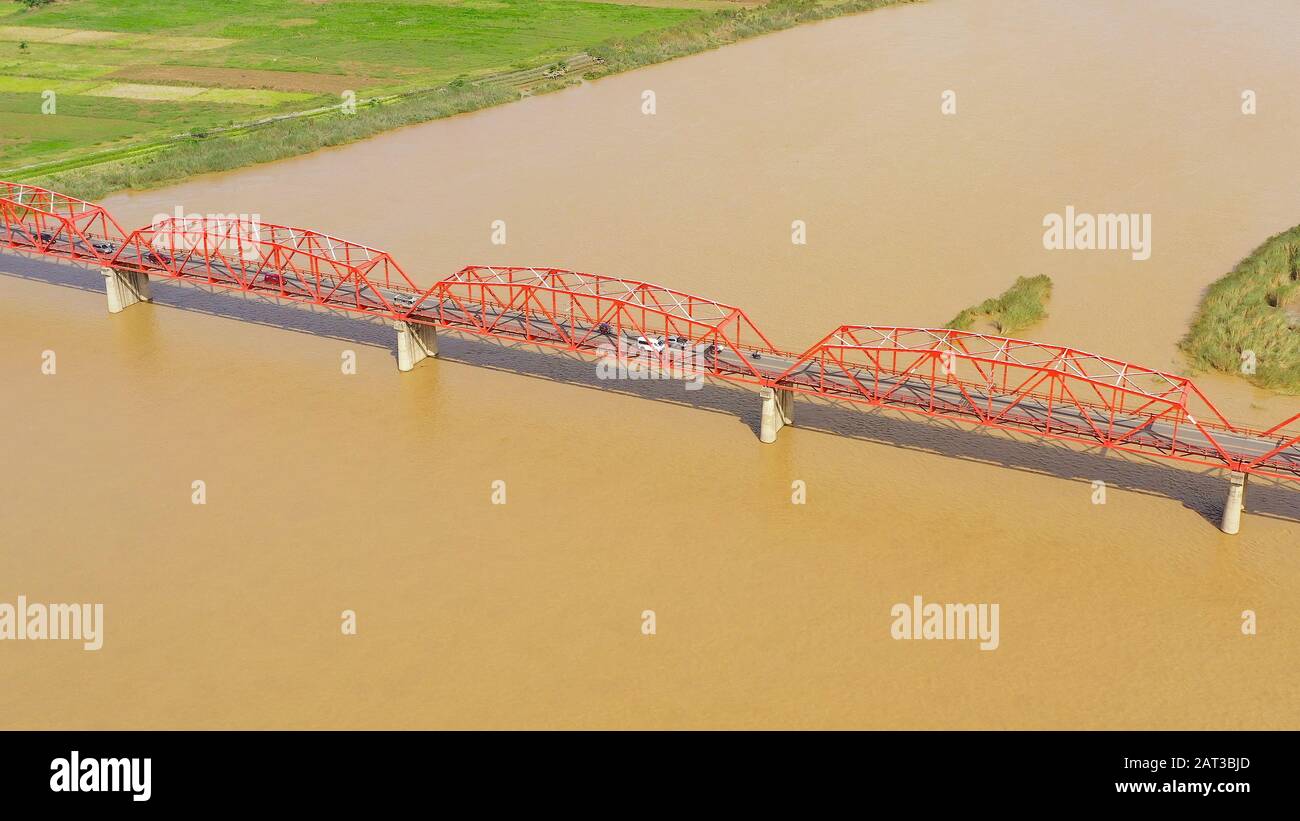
column 373, row 492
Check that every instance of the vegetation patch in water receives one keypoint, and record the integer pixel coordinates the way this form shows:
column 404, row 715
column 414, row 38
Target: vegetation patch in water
column 1248, row 322
column 1018, row 307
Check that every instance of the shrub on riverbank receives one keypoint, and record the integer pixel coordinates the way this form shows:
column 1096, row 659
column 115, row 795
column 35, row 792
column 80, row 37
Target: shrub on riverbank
column 1018, row 307
column 1250, row 319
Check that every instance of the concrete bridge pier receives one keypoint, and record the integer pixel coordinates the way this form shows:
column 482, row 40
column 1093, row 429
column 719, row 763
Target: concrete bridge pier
column 125, row 288
column 1235, row 505
column 415, row 343
column 778, row 411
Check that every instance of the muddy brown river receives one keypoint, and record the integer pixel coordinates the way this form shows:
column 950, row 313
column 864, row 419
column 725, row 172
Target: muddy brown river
column 374, row 491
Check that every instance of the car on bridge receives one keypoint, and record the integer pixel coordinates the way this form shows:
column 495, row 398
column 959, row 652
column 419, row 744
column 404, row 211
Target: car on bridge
column 651, row 344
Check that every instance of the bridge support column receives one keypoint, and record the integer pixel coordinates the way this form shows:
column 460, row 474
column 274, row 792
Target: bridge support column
column 415, row 343
column 778, row 411
column 1236, row 503
column 125, row 288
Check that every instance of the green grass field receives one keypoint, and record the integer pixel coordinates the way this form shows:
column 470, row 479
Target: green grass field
column 136, row 70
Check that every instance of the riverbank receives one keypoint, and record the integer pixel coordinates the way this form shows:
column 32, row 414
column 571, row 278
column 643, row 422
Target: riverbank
column 173, row 160
column 723, row 28
column 1248, row 322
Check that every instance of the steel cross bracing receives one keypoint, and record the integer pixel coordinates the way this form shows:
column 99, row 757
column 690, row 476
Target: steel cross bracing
column 1043, row 390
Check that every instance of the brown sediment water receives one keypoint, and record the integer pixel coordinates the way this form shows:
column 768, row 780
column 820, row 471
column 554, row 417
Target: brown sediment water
column 372, row 492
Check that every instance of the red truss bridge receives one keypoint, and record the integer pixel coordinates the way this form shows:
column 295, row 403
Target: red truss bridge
column 1032, row 388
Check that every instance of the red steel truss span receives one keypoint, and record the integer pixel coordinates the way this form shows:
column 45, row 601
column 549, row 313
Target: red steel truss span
column 1033, row 388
